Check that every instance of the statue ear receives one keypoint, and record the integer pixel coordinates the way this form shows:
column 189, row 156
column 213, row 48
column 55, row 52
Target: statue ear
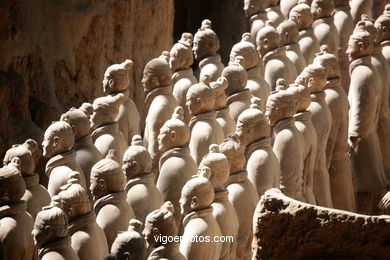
column 111, row 83
column 134, row 165
column 173, row 135
column 265, row 43
column 56, row 141
column 155, row 81
column 319, row 11
column 155, row 231
column 286, row 35
column 199, row 101
column 194, row 202
column 102, row 183
column 360, row 45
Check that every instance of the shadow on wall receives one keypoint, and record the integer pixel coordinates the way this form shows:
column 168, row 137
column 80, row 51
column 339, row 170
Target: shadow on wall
column 227, row 16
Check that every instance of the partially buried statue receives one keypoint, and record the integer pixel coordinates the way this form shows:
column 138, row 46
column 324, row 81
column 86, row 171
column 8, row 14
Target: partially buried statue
column 223, row 210
column 36, row 196
column 110, row 206
column 238, row 97
column 176, row 164
column 253, row 66
column 57, row 146
column 195, row 203
column 337, row 160
column 289, row 35
column 224, row 117
column 306, row 128
column 256, row 14
column 142, row 194
column 308, row 43
column 242, row 194
column 274, row 13
column 15, row 223
column 205, row 47
column 116, row 80
column 86, row 152
column 205, row 129
column 314, row 77
column 276, row 63
column 254, row 132
column 323, row 24
column 106, row 134
column 159, row 102
column 288, row 142
column 130, row 244
column 180, row 60
column 162, row 223
column 363, row 119
column 87, row 238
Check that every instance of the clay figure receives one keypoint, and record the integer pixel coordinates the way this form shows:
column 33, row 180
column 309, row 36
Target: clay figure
column 205, row 47
column 159, row 102
column 195, row 203
column 359, row 7
column 110, row 206
column 162, row 223
column 364, row 113
column 180, row 60
column 205, row 129
column 36, row 196
column 87, row 238
column 256, row 14
column 274, row 12
column 86, row 152
column 242, row 193
column 176, row 164
column 383, row 26
column 51, row 235
column 238, row 97
column 130, row 244
column 224, row 117
column 223, row 210
column 288, row 142
column 254, row 132
column 276, row 63
column 286, row 6
column 116, row 80
column 57, row 146
column 15, row 223
column 142, row 194
column 308, row 43
column 314, row 78
column 253, row 66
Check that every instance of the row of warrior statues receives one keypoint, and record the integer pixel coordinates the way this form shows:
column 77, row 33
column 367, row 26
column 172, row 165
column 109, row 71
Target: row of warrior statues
column 302, row 106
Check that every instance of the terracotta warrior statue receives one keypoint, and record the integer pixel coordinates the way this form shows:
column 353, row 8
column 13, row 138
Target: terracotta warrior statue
column 142, row 194
column 340, row 168
column 110, row 206
column 383, row 26
column 223, row 210
column 308, row 43
column 106, row 134
column 289, row 35
column 130, row 244
column 254, row 132
column 116, row 80
column 364, row 113
column 36, row 196
column 383, row 67
column 205, row 47
column 253, row 66
column 159, row 102
column 256, row 14
column 242, row 193
column 195, row 204
column 274, row 13
column 323, row 24
column 57, row 146
column 87, row 238
column 224, row 117
column 305, row 126
column 180, row 61
column 176, row 164
column 162, row 223
column 288, row 142
column 314, row 78
column 86, row 152
column 51, row 235
column 286, row 6
column 359, row 7
column 238, row 97
column 273, row 54
column 205, row 129
column 344, row 24
column 15, row 223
